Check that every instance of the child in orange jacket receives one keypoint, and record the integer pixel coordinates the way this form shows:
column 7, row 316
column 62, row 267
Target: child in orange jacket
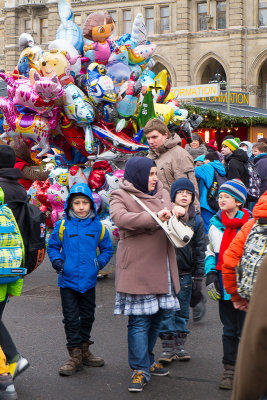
column 244, row 255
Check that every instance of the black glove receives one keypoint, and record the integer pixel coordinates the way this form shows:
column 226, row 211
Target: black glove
column 196, row 295
column 213, row 285
column 58, row 265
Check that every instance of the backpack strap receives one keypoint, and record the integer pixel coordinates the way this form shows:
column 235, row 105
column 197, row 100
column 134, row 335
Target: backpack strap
column 62, row 228
column 102, row 232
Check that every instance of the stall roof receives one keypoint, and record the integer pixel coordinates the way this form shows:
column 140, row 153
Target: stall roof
column 235, row 110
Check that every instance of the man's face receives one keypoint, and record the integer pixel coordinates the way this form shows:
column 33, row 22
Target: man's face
column 155, row 139
column 225, row 150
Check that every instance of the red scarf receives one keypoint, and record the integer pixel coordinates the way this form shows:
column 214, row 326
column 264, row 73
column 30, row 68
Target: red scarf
column 231, row 225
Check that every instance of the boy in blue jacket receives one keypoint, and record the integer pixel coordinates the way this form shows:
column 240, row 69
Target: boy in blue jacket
column 72, row 250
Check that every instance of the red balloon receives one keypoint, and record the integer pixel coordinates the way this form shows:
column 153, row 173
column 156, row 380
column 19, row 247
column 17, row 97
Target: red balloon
column 73, row 134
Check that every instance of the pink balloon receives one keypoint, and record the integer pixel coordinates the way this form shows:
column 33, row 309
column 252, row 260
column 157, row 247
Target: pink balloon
column 119, row 173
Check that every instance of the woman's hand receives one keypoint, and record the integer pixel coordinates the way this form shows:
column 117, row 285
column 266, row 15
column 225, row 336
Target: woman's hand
column 178, row 211
column 164, row 215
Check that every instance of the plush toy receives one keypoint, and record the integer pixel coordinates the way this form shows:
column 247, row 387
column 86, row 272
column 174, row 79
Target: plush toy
column 57, row 196
column 98, row 27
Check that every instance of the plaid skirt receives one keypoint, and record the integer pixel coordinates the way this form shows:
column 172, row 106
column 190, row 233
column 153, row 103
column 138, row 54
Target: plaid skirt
column 146, row 304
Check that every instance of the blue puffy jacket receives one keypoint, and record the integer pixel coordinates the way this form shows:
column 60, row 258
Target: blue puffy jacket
column 78, row 248
column 205, row 174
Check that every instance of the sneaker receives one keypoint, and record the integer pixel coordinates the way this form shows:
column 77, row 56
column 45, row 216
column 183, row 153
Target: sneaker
column 199, row 310
column 18, row 367
column 227, row 378
column 138, row 381
column 158, row 370
column 7, row 389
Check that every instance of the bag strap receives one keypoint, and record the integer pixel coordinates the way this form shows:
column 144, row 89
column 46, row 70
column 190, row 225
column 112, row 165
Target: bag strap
column 153, row 215
column 2, row 196
column 62, row 228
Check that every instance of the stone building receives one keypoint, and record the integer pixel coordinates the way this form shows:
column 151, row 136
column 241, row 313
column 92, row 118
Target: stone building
column 198, row 41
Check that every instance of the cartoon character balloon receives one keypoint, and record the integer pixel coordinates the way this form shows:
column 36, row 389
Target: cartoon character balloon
column 98, row 27
column 57, row 196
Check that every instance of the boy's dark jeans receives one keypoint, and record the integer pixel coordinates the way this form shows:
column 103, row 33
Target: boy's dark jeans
column 79, row 315
column 232, row 320
column 6, row 341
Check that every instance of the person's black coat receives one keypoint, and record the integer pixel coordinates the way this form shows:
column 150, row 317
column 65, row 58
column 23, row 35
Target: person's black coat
column 15, row 193
column 235, row 166
column 190, row 259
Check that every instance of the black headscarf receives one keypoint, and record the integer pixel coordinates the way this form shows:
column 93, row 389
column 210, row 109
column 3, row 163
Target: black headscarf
column 137, row 170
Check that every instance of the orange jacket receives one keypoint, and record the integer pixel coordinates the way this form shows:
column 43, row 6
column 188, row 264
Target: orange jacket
column 235, row 251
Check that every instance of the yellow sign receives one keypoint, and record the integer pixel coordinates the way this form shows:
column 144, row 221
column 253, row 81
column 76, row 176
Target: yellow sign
column 191, row 92
column 238, row 98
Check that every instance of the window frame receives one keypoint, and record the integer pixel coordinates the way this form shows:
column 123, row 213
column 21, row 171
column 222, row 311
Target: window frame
column 127, row 20
column 218, row 13
column 162, row 6
column 259, row 9
column 199, row 14
column 42, row 28
column 153, row 19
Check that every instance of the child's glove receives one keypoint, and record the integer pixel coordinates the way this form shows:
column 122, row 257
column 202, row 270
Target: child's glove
column 213, row 286
column 196, row 294
column 58, row 265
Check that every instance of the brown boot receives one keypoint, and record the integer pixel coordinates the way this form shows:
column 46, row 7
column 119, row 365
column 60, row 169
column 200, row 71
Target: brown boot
column 74, row 363
column 88, row 358
column 227, row 378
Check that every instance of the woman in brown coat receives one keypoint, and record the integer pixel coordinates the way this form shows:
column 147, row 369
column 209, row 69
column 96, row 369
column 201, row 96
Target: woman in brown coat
column 146, row 270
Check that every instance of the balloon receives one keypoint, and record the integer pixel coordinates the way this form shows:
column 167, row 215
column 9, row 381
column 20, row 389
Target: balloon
column 97, row 178
column 139, row 30
column 162, row 86
column 98, row 27
column 118, row 141
column 34, row 126
column 164, row 112
column 141, row 53
column 76, row 175
column 68, row 30
column 59, row 63
column 59, row 175
column 119, row 73
column 28, row 59
column 119, row 173
column 97, row 200
column 147, row 110
column 37, row 93
column 112, row 230
column 73, row 134
column 57, row 196
column 65, row 45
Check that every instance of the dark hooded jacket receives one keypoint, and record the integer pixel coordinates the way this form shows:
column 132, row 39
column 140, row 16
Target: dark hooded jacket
column 236, row 166
column 191, row 257
column 260, row 162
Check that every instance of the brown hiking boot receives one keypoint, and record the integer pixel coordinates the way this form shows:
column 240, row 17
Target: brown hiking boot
column 227, row 378
column 88, row 358
column 73, row 364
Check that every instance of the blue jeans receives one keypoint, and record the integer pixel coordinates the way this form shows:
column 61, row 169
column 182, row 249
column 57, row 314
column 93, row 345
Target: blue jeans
column 232, row 320
column 176, row 321
column 143, row 331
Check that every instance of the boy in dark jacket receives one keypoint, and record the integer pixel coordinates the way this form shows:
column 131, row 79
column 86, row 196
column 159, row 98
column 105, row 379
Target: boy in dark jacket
column 72, row 249
column 260, row 161
column 235, row 161
column 190, row 260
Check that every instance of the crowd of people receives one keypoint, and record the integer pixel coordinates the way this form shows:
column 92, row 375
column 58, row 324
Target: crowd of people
column 221, row 196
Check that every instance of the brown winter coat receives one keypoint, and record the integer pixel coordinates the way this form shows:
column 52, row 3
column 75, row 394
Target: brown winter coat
column 174, row 162
column 251, row 367
column 141, row 259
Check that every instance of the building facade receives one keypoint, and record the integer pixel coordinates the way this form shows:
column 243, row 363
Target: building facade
column 199, row 41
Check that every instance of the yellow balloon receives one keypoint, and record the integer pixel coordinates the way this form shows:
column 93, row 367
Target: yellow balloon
column 164, row 112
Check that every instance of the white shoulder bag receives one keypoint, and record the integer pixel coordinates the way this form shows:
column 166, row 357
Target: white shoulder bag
column 178, row 233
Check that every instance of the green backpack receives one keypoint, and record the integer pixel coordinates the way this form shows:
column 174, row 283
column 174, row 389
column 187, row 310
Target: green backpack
column 11, row 246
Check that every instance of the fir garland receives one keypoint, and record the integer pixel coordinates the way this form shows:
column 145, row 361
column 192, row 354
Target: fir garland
column 218, row 120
